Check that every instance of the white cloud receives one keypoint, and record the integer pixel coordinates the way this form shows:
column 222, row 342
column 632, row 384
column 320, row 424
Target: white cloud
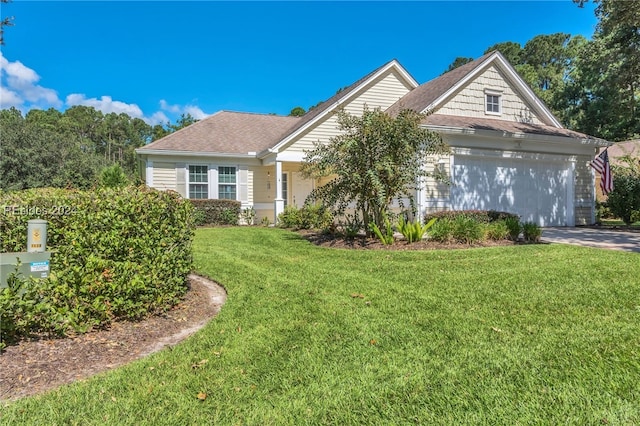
column 164, row 105
column 9, row 98
column 105, row 104
column 158, row 117
column 195, row 111
column 19, row 88
column 18, row 84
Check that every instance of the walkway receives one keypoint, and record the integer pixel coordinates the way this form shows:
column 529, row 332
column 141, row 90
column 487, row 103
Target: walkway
column 593, row 237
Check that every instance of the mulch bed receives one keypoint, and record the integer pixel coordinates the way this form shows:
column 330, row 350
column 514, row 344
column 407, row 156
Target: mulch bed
column 37, row 365
column 364, row 243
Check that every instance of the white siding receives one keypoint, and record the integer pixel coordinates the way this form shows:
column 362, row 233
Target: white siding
column 470, row 101
column 436, row 194
column 263, row 186
column 164, row 176
column 382, row 93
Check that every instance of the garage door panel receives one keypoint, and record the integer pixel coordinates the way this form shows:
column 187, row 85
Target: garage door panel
column 535, row 190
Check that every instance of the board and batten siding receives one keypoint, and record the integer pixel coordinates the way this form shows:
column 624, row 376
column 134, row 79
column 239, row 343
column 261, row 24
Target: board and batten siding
column 470, row 101
column 382, row 93
column 164, row 176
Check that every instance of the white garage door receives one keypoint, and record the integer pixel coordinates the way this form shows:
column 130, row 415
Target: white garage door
column 536, row 190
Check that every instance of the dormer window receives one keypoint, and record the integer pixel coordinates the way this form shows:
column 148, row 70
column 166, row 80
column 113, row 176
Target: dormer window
column 493, row 102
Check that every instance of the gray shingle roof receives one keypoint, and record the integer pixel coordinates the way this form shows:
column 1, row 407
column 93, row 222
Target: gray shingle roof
column 621, row 149
column 240, row 133
column 227, row 132
column 477, row 123
column 424, row 95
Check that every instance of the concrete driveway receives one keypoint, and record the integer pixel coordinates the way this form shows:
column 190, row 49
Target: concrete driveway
column 592, row 237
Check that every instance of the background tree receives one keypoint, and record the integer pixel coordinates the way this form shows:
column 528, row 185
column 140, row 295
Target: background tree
column 510, row 50
column 458, row 62
column 607, row 92
column 5, row 21
column 161, row 130
column 624, row 200
column 34, row 154
column 297, row 112
column 375, row 160
column 113, row 177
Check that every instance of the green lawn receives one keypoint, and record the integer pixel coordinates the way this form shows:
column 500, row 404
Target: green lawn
column 536, row 334
column 618, row 222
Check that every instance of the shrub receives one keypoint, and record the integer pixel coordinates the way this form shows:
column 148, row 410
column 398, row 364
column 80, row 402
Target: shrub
column 514, row 226
column 413, row 231
column 265, row 221
column 218, row 212
column 467, row 230
column 199, row 217
column 497, row 230
column 482, row 216
column 310, row 216
column 248, row 216
column 442, row 230
column 116, row 254
column 603, row 211
column 624, row 200
column 532, row 232
column 315, row 216
column 384, row 235
column 351, row 226
column 290, row 218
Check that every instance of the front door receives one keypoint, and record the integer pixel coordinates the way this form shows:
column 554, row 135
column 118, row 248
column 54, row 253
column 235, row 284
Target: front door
column 300, row 189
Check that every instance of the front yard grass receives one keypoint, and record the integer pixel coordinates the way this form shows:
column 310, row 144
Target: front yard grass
column 534, row 334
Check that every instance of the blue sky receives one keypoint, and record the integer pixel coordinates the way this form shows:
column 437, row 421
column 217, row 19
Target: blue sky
column 158, row 59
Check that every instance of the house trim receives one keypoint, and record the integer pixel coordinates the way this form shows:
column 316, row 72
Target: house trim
column 519, row 135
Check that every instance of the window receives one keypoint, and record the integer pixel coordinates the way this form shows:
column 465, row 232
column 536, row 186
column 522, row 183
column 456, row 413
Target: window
column 198, row 182
column 227, row 187
column 493, row 104
column 493, row 101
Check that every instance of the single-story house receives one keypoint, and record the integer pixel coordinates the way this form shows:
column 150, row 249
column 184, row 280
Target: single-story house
column 616, row 152
column 508, row 151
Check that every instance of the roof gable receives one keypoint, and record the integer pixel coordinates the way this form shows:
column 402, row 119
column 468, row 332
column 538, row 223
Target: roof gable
column 436, row 93
column 326, row 108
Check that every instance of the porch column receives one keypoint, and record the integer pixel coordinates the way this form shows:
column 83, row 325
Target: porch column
column 278, row 201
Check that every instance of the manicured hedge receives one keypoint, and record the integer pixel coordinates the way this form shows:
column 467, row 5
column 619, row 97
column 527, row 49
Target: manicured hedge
column 116, row 254
column 216, row 212
column 483, row 216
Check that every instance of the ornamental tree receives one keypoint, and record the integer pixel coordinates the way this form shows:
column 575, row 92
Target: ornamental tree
column 377, row 158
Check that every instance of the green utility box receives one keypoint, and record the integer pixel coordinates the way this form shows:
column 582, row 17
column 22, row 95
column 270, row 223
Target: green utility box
column 34, row 265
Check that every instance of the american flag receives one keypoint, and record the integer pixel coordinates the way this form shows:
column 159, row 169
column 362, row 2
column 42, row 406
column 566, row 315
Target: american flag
column 601, row 165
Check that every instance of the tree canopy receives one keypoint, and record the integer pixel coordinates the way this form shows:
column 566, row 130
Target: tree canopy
column 375, row 160
column 71, row 148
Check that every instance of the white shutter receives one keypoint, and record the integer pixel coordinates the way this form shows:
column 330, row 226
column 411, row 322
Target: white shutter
column 181, row 180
